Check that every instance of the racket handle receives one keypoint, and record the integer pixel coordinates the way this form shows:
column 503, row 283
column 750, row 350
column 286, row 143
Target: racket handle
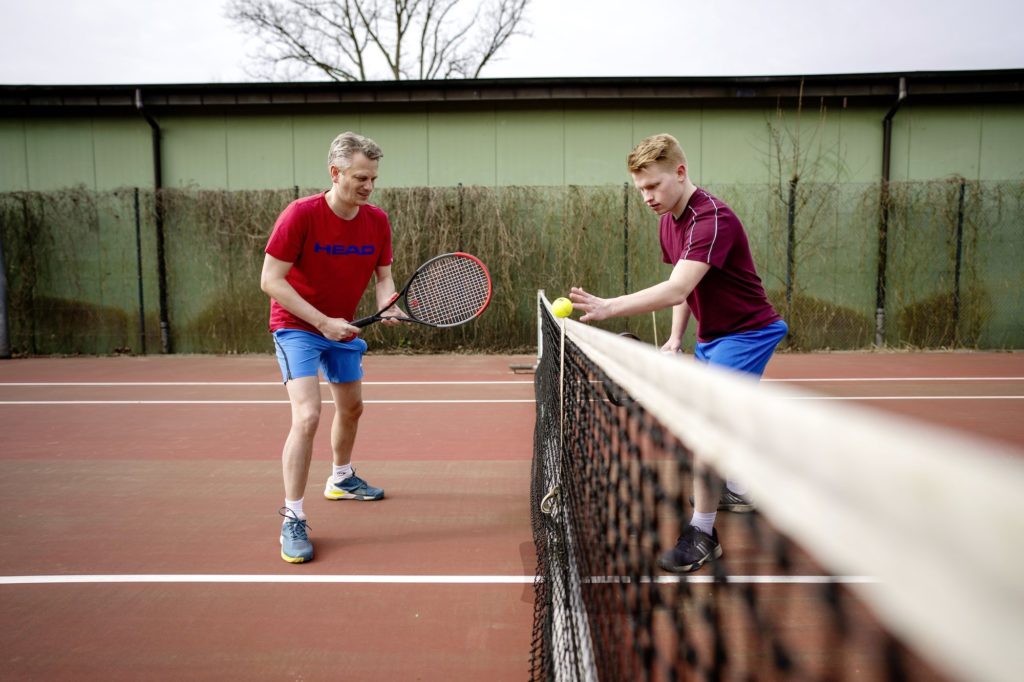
column 365, row 321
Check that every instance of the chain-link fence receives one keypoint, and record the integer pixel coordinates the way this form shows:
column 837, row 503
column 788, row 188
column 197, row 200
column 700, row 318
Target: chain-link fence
column 82, row 267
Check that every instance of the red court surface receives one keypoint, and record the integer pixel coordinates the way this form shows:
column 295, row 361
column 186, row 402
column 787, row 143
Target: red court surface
column 140, row 534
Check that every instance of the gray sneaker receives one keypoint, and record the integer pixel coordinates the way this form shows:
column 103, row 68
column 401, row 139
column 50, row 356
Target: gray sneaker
column 295, row 545
column 733, row 502
column 352, row 488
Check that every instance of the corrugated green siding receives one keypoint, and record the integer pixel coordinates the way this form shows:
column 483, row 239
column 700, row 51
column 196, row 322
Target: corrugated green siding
column 942, row 143
column 195, row 152
column 13, row 166
column 260, row 153
column 461, row 148
column 404, row 139
column 530, row 148
column 494, row 146
column 1002, row 143
column 596, row 144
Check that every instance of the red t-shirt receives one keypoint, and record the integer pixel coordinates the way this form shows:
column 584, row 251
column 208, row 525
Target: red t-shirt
column 730, row 298
column 332, row 258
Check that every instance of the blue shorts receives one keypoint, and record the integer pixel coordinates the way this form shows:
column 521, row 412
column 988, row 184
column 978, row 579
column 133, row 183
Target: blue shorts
column 302, row 354
column 745, row 352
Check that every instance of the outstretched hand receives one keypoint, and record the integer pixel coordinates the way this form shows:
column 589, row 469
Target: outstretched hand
column 594, row 307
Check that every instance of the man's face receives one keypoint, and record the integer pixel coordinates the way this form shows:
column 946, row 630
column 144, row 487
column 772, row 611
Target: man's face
column 660, row 187
column 355, row 183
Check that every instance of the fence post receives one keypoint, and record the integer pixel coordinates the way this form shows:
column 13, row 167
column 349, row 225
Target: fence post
column 138, row 274
column 957, row 264
column 5, row 338
column 791, row 246
column 625, row 238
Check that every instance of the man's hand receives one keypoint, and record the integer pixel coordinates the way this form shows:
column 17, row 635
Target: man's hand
column 387, row 317
column 338, row 329
column 672, row 346
column 595, row 308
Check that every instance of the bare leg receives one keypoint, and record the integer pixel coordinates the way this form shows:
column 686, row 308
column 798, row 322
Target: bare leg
column 707, row 488
column 348, row 408
column 304, row 394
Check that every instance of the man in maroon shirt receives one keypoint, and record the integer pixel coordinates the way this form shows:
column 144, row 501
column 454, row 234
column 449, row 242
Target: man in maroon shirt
column 321, row 255
column 714, row 279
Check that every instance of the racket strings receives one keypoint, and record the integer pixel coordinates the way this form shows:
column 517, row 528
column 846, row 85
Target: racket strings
column 449, row 291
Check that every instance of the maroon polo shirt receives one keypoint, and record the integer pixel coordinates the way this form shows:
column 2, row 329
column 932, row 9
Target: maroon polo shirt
column 730, row 298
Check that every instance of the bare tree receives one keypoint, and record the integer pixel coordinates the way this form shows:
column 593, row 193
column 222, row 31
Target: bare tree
column 357, row 40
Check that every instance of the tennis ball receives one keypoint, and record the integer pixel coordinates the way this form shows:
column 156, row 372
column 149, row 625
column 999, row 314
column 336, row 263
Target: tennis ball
column 561, row 307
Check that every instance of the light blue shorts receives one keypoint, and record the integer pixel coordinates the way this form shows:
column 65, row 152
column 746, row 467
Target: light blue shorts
column 302, row 354
column 745, row 352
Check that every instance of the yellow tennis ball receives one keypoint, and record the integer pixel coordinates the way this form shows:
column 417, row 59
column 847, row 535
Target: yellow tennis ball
column 561, row 307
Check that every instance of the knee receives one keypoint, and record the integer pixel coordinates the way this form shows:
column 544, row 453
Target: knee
column 306, row 420
column 351, row 411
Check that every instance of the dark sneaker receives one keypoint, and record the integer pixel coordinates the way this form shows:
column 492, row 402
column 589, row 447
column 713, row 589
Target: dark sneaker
column 693, row 549
column 295, row 545
column 351, row 488
column 733, row 502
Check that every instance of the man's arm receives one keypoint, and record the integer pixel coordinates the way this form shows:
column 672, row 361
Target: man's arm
column 384, row 291
column 274, row 284
column 684, row 278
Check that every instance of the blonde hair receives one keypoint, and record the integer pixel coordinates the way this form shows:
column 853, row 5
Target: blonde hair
column 346, row 145
column 662, row 149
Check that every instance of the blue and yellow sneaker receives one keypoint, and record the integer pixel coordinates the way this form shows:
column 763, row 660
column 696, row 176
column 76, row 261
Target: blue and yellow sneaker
column 295, row 545
column 351, row 488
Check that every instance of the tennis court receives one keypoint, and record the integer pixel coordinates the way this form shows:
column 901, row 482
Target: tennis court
column 140, row 534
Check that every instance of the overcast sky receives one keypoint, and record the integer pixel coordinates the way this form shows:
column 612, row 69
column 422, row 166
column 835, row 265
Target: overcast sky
column 189, row 41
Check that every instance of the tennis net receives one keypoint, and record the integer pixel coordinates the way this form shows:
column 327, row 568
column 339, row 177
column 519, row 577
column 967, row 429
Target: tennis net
column 880, row 549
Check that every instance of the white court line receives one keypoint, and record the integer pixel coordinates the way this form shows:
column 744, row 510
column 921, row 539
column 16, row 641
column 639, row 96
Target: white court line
column 44, row 384
column 247, row 383
column 409, row 579
column 875, row 379
column 249, row 402
column 902, row 397
column 472, row 402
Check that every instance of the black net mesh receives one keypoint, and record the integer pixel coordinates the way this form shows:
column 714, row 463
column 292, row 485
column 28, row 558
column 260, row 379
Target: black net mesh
column 610, row 492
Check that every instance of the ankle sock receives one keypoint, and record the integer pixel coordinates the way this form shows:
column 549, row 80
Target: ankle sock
column 704, row 522
column 296, row 507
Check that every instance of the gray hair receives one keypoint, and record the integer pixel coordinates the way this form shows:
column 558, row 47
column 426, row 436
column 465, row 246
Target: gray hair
column 346, row 145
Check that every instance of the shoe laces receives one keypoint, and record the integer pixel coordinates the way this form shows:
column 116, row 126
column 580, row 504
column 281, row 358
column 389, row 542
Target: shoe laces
column 690, row 537
column 293, row 525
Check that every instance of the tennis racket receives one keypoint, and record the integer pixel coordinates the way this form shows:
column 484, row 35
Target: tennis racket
column 446, row 291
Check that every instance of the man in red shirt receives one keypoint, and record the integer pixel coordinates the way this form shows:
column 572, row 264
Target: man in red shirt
column 714, row 279
column 321, row 255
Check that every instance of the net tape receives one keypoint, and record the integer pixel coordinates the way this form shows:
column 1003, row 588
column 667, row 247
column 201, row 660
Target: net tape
column 925, row 525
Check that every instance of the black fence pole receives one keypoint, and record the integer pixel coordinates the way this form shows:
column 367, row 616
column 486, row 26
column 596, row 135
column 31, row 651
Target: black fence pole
column 5, row 337
column 957, row 264
column 625, row 238
column 460, row 241
column 138, row 273
column 790, row 245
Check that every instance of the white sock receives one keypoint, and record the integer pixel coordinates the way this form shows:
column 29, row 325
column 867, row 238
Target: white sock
column 704, row 522
column 342, row 472
column 296, row 507
column 738, row 487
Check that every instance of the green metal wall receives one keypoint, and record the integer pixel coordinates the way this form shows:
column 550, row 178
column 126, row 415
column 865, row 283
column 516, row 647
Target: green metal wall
column 573, row 156
column 504, row 146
